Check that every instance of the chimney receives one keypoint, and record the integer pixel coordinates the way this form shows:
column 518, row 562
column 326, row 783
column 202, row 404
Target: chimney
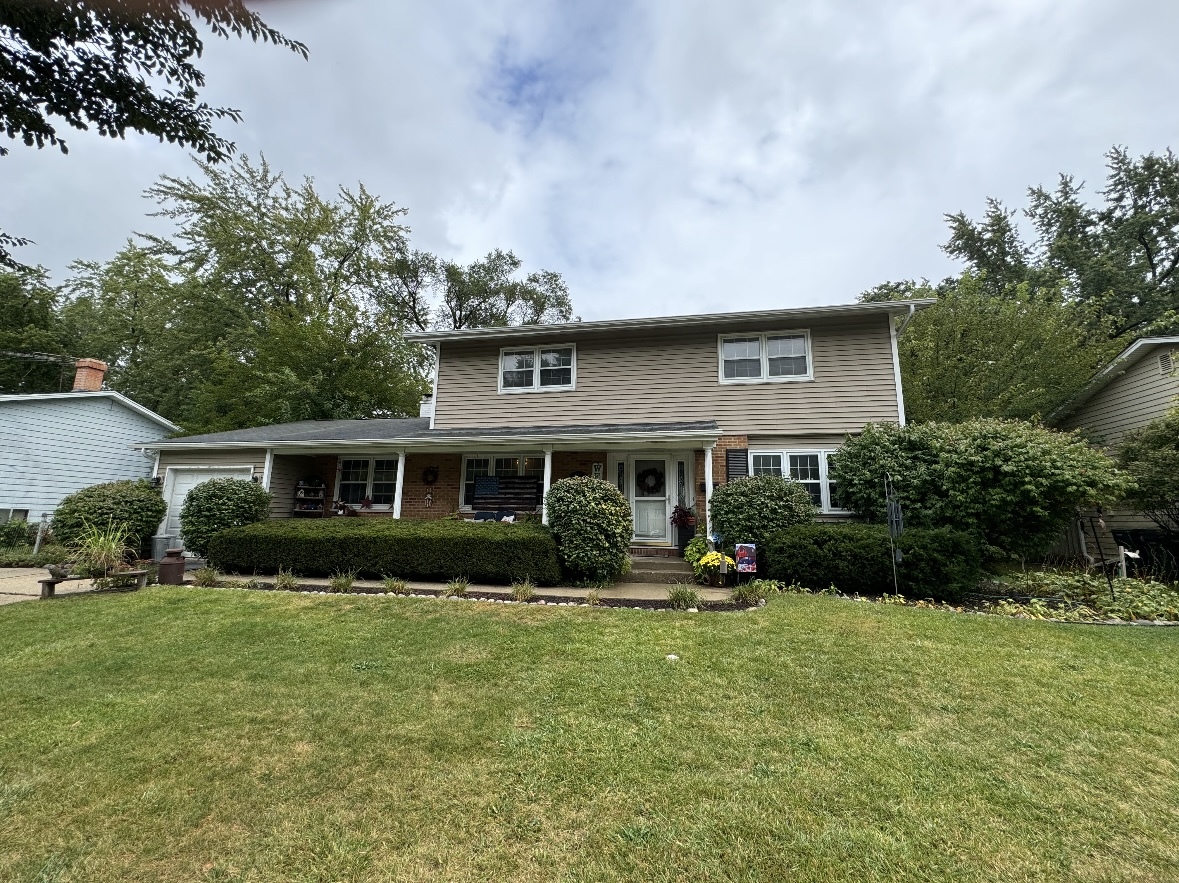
column 88, row 375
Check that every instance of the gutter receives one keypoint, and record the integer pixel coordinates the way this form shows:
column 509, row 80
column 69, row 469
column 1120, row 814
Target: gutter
column 905, row 322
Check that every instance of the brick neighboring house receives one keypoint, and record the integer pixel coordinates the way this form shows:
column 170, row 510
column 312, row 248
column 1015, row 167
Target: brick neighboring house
column 666, row 408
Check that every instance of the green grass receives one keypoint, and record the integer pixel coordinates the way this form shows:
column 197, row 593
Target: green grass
column 183, row 734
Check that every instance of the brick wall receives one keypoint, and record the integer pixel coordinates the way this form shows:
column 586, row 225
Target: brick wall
column 565, row 463
column 444, row 492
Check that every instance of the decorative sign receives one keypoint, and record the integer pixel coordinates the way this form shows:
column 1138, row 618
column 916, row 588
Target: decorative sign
column 746, row 558
column 597, row 470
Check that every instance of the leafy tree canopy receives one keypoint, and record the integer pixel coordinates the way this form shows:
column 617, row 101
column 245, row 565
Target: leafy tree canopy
column 116, row 65
column 34, row 343
column 272, row 302
column 1118, row 261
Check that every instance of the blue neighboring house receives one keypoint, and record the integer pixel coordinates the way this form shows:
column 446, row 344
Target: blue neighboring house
column 53, row 444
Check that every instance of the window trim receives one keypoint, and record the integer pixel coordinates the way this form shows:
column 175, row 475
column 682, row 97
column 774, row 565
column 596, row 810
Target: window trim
column 805, row 333
column 521, row 455
column 824, row 482
column 536, row 387
column 368, row 487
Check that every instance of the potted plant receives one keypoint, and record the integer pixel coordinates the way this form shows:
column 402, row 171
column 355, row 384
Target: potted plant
column 683, row 519
column 708, row 568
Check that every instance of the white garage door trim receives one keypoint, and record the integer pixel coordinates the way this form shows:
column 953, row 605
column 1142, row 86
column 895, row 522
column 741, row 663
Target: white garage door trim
column 245, row 471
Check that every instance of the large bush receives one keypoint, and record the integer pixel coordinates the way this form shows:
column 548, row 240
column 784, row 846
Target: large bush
column 16, row 533
column 937, row 563
column 1151, row 457
column 593, row 525
column 218, row 504
column 136, row 504
column 378, row 547
column 1013, row 484
column 753, row 509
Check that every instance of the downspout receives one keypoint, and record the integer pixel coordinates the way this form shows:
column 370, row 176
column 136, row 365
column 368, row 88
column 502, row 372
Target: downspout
column 905, row 321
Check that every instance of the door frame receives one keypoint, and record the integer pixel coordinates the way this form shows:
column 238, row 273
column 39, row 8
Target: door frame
column 670, row 459
column 170, row 481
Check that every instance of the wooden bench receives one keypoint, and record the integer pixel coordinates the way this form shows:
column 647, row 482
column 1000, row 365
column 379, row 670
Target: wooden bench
column 49, row 584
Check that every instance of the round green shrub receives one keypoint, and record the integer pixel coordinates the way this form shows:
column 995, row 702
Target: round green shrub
column 753, row 509
column 218, row 504
column 593, row 526
column 135, row 504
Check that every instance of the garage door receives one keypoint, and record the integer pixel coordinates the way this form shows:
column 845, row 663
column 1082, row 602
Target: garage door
column 181, row 481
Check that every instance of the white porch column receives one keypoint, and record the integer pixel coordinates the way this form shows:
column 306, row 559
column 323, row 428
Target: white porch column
column 708, row 490
column 548, row 480
column 268, row 469
column 400, row 484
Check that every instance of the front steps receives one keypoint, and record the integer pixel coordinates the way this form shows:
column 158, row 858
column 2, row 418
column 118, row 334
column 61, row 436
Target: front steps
column 666, row 570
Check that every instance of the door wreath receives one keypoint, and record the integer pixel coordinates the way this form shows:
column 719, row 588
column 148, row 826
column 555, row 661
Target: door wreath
column 650, row 481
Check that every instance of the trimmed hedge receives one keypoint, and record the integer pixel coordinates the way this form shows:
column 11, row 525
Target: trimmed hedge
column 592, row 522
column 939, row 563
column 433, row 550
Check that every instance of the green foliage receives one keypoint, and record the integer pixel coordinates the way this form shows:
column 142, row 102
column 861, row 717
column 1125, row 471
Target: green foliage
column 753, row 509
column 593, row 598
column 456, row 587
column 16, row 533
column 973, row 354
column 696, row 549
column 206, row 578
column 938, row 563
column 341, row 581
column 523, row 590
column 1115, row 261
column 1150, row 457
column 116, row 65
column 485, row 552
column 709, row 564
column 1015, row 485
column 1090, row 593
column 100, row 548
column 593, row 526
column 135, row 504
column 683, row 597
column 23, row 556
column 395, row 585
column 752, row 593
column 29, row 323
column 285, row 580
column 218, row 504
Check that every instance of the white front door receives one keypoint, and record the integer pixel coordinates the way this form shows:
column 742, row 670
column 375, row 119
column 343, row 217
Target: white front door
column 650, row 493
column 181, row 480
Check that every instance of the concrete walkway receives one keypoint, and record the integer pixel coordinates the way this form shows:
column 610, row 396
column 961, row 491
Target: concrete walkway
column 20, row 584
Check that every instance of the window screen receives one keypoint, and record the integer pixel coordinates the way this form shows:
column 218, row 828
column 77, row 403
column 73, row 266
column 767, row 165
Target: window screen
column 804, row 468
column 556, row 367
column 787, row 356
column 742, row 357
column 353, row 480
column 517, row 369
column 384, row 482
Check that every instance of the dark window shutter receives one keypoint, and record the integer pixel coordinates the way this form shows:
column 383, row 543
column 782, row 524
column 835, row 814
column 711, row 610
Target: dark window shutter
column 736, row 463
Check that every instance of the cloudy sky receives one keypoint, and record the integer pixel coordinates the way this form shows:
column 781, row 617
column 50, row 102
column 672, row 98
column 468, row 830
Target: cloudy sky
column 668, row 156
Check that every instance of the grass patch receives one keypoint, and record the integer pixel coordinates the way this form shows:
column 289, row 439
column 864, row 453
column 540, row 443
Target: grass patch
column 178, row 735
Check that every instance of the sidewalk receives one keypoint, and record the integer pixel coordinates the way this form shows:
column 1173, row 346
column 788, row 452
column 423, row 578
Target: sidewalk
column 20, row 584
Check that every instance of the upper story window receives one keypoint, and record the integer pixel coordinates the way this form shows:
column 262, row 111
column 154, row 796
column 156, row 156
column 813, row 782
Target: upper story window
column 529, row 369
column 757, row 358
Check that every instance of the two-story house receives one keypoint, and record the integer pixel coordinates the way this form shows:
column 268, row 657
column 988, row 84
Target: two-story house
column 665, row 408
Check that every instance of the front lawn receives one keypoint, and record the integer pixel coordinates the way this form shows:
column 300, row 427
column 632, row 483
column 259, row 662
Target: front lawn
column 188, row 734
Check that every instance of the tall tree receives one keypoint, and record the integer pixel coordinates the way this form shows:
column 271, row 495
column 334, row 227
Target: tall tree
column 974, row 354
column 1118, row 261
column 116, row 65
column 34, row 342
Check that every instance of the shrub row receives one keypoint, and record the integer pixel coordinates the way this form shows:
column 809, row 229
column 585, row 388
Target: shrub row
column 482, row 552
column 939, row 563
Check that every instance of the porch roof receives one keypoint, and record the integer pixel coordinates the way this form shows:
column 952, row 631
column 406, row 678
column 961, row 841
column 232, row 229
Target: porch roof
column 326, row 435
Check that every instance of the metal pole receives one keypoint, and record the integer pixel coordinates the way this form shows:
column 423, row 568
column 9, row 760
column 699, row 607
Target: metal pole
column 1104, row 566
column 40, row 532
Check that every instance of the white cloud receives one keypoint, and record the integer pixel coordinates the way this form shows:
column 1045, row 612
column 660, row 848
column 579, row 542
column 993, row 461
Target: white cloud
column 667, row 156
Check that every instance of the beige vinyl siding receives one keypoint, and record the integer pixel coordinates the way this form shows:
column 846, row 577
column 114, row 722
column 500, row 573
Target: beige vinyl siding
column 1128, row 402
column 285, row 471
column 255, row 457
column 828, row 442
column 668, row 377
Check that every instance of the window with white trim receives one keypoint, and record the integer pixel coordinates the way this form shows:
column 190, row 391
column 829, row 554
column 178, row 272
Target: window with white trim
column 360, row 477
column 811, row 469
column 529, row 369
column 482, row 465
column 758, row 358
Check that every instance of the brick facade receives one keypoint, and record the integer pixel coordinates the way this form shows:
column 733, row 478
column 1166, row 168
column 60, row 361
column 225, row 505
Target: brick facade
column 565, row 463
column 444, row 493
